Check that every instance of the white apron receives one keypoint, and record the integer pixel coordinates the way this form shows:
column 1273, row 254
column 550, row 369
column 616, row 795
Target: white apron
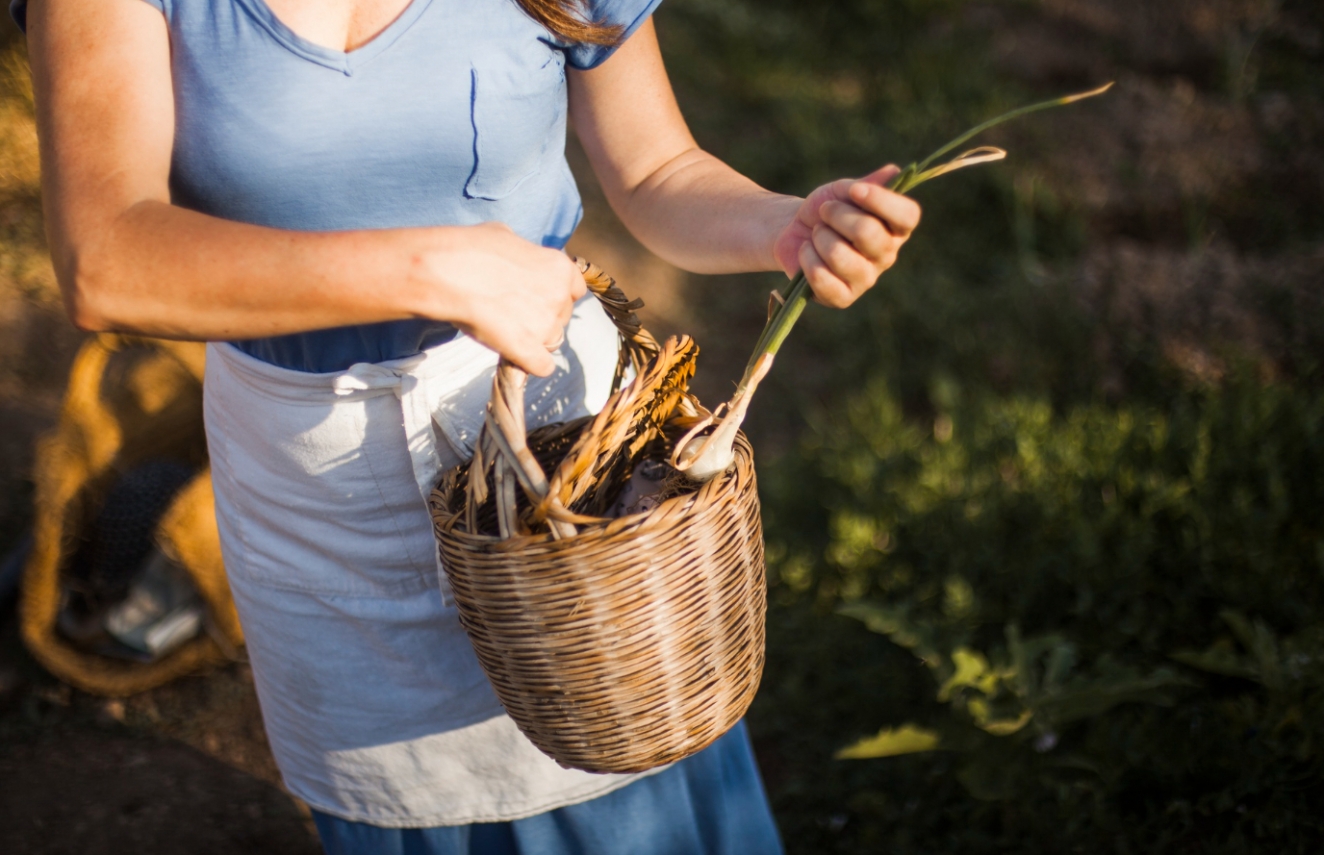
column 375, row 706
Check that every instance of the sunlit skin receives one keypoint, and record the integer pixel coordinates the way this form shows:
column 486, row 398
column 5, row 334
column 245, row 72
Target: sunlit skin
column 128, row 260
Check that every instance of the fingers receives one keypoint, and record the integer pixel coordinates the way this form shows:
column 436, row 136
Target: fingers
column 575, row 279
column 853, row 248
column 883, row 175
column 513, row 296
column 576, row 288
column 858, row 239
column 535, row 360
column 563, row 306
column 829, row 289
column 898, row 213
column 865, row 231
column 786, row 250
column 528, row 325
column 845, row 261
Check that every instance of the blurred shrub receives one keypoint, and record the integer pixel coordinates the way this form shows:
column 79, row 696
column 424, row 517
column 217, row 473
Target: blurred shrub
column 1045, row 540
column 1119, row 607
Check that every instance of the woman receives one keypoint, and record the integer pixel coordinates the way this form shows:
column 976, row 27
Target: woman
column 362, row 203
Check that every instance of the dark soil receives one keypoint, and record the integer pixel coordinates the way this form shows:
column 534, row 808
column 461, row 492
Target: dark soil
column 111, row 789
column 182, row 769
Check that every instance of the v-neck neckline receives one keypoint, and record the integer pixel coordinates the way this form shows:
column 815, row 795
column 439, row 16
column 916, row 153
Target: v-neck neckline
column 345, row 62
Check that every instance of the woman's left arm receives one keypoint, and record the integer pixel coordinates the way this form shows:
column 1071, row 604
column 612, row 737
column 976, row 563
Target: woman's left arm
column 700, row 214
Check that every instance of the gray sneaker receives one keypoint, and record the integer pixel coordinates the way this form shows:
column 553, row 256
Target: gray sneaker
column 162, row 611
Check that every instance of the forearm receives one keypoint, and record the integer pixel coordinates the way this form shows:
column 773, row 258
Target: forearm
column 156, row 269
column 160, row 270
column 680, row 201
column 127, row 259
column 703, row 216
column 700, row 214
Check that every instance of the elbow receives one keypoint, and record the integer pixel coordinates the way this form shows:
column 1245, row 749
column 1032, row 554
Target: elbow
column 84, row 295
column 86, row 318
column 94, row 266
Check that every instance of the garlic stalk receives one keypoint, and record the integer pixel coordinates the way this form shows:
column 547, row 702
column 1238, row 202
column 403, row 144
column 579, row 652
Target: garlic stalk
column 703, row 457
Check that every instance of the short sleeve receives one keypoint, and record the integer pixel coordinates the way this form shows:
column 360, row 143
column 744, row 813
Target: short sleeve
column 630, row 14
column 18, row 10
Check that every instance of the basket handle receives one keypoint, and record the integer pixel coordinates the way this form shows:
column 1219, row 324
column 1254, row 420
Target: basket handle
column 502, row 441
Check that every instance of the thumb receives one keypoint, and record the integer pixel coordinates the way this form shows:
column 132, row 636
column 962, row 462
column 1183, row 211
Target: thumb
column 881, row 177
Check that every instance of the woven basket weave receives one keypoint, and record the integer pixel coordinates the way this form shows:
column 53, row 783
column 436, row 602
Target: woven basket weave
column 616, row 645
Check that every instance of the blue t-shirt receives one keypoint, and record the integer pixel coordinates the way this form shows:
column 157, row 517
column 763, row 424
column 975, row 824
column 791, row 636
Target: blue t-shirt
column 455, row 114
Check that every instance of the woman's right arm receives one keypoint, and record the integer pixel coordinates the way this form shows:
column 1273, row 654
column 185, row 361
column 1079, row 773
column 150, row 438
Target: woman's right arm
column 128, row 260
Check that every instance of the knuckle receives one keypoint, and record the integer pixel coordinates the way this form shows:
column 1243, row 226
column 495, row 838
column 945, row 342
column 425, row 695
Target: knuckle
column 829, row 242
column 872, row 232
column 829, row 289
column 808, row 257
column 864, row 276
column 845, row 261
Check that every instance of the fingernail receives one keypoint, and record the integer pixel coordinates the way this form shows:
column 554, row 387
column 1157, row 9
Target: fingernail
column 859, row 191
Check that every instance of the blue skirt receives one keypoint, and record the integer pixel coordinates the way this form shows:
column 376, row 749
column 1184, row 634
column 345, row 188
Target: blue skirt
column 709, row 804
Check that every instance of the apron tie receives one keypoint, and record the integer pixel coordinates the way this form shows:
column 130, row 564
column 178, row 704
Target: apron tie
column 371, row 377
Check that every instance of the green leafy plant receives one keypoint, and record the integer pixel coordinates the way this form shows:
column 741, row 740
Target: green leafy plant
column 1099, row 596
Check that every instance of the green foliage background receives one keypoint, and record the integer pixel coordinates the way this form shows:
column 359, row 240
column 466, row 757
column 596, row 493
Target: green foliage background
column 1095, row 576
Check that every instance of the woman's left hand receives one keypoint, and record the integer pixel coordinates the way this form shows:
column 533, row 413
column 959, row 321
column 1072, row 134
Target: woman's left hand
column 846, row 234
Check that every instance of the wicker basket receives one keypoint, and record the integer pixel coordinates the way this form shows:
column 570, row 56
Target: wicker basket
column 616, row 645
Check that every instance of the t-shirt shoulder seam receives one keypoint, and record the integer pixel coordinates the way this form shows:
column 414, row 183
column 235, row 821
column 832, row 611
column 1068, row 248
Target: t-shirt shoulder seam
column 601, row 56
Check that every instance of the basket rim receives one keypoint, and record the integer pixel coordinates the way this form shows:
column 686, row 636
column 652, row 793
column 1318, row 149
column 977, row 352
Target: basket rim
column 447, row 522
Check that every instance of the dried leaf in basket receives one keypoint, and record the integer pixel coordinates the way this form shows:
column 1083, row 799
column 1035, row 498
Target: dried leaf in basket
column 507, row 491
column 608, row 449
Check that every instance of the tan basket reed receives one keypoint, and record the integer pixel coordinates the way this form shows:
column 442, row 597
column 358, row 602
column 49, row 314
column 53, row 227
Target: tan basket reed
column 616, row 645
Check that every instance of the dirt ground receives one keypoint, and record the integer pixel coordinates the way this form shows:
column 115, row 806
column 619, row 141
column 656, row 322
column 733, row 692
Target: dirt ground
column 186, row 768
column 107, row 792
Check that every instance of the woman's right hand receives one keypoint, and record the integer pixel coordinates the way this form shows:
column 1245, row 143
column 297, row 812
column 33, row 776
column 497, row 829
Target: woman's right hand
column 507, row 293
